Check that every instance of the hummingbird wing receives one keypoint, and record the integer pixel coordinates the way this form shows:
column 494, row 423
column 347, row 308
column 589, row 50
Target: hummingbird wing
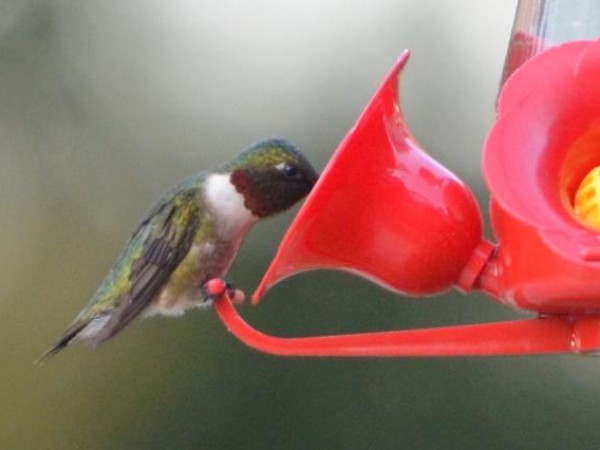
column 166, row 237
column 159, row 244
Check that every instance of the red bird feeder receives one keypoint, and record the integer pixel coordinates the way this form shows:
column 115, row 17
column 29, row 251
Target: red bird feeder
column 415, row 228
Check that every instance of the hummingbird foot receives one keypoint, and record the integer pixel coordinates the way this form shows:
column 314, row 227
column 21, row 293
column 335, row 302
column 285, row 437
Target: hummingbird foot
column 216, row 288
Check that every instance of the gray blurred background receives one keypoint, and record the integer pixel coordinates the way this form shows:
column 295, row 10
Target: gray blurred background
column 104, row 104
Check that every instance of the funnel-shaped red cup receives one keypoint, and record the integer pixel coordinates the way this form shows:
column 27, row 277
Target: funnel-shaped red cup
column 386, row 210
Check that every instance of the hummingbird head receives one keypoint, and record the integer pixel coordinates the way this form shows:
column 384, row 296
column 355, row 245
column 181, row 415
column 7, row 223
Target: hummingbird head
column 272, row 175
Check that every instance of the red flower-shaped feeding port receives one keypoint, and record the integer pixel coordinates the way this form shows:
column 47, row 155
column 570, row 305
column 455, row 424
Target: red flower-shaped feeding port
column 544, row 143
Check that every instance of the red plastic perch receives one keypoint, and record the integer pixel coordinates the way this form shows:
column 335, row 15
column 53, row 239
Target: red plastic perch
column 544, row 335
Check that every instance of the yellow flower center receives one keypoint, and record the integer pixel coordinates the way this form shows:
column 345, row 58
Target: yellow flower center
column 587, row 199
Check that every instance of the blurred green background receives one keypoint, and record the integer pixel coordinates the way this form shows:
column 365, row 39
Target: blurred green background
column 104, row 104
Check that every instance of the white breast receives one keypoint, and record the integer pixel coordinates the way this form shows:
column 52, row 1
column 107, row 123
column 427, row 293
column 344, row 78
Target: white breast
column 228, row 205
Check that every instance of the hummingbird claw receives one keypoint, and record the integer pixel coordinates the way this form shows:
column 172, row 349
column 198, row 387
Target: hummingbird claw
column 237, row 296
column 215, row 288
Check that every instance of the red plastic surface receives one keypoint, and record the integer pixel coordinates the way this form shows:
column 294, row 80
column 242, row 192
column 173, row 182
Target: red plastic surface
column 383, row 209
column 546, row 139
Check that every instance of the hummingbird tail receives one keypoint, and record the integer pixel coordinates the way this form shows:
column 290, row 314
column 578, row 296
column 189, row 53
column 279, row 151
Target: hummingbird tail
column 67, row 337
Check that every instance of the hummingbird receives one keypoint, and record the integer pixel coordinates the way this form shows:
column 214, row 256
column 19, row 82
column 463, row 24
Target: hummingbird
column 190, row 236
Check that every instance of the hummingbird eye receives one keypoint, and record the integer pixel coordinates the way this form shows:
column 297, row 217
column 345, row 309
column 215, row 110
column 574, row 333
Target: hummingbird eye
column 290, row 170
